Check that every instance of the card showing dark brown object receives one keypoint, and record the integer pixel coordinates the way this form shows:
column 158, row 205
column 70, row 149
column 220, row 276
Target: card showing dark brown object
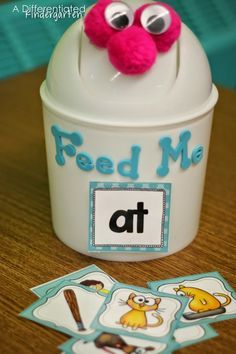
column 71, row 300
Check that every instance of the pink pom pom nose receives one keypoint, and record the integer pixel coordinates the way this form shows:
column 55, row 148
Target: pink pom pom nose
column 132, row 51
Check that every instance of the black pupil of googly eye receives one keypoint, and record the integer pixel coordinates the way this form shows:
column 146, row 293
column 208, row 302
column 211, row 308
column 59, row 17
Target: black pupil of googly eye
column 155, row 24
column 120, row 20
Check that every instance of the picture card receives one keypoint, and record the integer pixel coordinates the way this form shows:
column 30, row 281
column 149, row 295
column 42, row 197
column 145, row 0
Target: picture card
column 210, row 297
column 115, row 344
column 183, row 337
column 140, row 312
column 91, row 276
column 69, row 308
column 129, row 217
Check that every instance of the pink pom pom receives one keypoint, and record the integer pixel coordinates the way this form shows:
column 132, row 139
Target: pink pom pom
column 96, row 28
column 132, row 51
column 165, row 40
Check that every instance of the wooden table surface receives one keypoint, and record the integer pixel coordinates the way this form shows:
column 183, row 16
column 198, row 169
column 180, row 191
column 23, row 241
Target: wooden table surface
column 31, row 254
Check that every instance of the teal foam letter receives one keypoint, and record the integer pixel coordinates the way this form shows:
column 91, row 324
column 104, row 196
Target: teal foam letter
column 75, row 138
column 129, row 168
column 197, row 154
column 168, row 150
column 84, row 161
column 105, row 165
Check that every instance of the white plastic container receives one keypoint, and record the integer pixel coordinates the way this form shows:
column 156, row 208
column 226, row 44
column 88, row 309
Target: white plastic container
column 111, row 113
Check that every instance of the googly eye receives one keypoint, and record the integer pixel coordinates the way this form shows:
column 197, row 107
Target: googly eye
column 139, row 299
column 180, row 293
column 149, row 301
column 139, row 351
column 156, row 19
column 119, row 16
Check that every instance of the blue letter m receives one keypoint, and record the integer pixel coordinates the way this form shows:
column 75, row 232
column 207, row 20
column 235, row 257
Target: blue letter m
column 168, row 150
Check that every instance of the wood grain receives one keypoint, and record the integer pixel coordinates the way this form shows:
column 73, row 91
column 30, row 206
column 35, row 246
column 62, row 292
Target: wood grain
column 31, row 254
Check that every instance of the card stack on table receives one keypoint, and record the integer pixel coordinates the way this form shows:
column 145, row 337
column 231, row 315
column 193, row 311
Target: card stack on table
column 102, row 315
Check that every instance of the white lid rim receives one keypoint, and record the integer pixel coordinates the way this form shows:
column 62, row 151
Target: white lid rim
column 172, row 120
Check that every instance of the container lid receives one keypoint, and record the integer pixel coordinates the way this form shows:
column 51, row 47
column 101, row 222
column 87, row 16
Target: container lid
column 83, row 85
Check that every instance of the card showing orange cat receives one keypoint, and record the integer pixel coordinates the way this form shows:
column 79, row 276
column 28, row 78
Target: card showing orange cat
column 210, row 297
column 140, row 312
